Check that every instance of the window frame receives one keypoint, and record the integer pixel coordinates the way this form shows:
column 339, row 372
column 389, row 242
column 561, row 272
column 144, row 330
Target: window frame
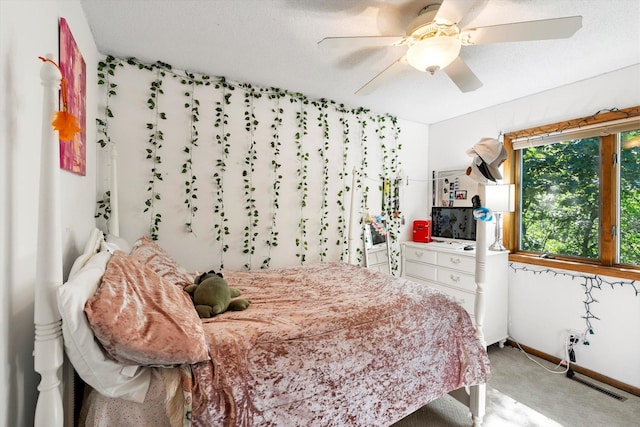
column 608, row 202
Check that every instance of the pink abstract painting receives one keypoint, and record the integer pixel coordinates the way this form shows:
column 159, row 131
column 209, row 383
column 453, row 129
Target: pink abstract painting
column 73, row 156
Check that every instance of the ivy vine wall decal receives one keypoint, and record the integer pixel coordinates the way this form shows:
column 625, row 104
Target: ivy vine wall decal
column 191, row 191
column 222, row 138
column 156, row 137
column 241, row 176
column 341, row 196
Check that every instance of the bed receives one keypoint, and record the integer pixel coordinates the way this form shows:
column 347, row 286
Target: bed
column 323, row 344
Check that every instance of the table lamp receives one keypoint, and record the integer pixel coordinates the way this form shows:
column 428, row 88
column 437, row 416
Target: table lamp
column 499, row 198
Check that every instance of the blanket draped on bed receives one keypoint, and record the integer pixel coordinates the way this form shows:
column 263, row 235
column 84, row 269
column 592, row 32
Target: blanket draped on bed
column 332, row 344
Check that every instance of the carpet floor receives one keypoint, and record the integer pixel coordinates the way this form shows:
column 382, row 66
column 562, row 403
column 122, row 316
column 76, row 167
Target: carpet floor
column 522, row 394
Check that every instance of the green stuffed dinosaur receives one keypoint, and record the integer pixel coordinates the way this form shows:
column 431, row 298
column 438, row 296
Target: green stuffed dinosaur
column 212, row 295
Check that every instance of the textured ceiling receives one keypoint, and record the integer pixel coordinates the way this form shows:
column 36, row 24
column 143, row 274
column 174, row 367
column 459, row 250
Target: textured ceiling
column 274, row 43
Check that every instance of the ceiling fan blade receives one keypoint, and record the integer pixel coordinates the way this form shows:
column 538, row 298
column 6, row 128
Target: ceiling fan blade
column 453, row 11
column 356, row 42
column 382, row 77
column 460, row 73
column 545, row 29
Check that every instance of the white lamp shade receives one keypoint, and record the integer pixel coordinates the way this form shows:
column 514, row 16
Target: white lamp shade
column 500, row 197
column 433, row 53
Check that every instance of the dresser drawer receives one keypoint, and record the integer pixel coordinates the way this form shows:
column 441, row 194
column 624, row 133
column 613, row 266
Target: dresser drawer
column 420, row 271
column 459, row 262
column 465, row 299
column 382, row 268
column 420, row 255
column 457, row 279
column 377, row 256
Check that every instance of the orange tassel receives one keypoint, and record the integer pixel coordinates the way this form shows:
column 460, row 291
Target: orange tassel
column 66, row 124
column 63, row 121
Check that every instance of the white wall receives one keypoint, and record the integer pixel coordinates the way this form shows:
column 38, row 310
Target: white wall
column 415, row 195
column 543, row 306
column 29, row 29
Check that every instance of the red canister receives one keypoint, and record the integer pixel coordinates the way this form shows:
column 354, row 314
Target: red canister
column 422, row 230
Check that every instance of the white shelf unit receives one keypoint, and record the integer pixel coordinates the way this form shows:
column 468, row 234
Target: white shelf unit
column 452, row 271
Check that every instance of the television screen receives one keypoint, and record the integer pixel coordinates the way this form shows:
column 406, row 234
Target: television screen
column 453, row 223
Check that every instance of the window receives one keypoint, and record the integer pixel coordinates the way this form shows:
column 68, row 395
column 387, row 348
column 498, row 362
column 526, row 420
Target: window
column 578, row 191
column 630, row 197
column 560, row 194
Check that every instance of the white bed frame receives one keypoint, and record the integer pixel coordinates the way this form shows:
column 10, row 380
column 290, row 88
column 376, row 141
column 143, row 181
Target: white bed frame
column 48, row 345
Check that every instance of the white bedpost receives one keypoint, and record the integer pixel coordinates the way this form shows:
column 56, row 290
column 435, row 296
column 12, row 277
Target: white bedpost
column 476, row 397
column 48, row 354
column 351, row 238
column 481, row 270
column 114, row 220
column 478, row 393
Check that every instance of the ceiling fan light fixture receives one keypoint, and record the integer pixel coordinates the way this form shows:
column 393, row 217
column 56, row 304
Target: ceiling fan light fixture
column 433, row 53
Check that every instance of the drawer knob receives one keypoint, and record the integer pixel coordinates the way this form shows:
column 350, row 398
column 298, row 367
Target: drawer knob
column 418, row 254
column 454, row 278
column 455, row 260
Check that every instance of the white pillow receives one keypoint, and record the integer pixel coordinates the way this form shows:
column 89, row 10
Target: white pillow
column 92, row 247
column 118, row 243
column 108, row 377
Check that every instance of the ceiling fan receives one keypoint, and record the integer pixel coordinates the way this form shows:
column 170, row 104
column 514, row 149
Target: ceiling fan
column 433, row 42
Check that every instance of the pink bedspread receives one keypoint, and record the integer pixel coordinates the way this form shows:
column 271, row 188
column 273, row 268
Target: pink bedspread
column 332, row 344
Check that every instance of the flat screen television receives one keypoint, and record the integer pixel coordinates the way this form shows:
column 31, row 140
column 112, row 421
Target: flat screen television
column 453, row 223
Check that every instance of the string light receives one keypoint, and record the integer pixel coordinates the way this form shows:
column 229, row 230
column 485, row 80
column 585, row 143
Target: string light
column 589, row 283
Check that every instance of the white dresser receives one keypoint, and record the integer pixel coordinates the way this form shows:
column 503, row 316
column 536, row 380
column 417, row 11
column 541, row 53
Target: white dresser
column 453, row 271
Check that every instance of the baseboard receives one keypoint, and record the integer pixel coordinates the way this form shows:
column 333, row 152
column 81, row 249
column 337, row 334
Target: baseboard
column 580, row 370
